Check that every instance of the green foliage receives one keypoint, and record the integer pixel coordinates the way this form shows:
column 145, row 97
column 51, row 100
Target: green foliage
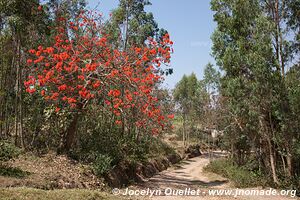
column 260, row 99
column 12, row 172
column 118, row 147
column 240, row 176
column 197, row 103
column 23, row 193
column 242, row 47
column 8, row 151
column 211, row 78
column 102, row 164
column 291, row 15
column 103, row 145
column 133, row 23
column 190, row 96
column 157, row 147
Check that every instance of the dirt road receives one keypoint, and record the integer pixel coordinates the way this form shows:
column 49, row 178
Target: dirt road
column 188, row 181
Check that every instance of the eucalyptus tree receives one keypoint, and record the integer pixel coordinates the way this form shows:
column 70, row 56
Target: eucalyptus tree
column 242, row 47
column 190, row 98
column 211, row 81
column 132, row 23
column 22, row 23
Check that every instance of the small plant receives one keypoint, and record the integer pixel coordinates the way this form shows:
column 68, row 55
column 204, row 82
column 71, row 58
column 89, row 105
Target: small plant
column 12, row 172
column 240, row 176
column 8, row 151
column 102, row 164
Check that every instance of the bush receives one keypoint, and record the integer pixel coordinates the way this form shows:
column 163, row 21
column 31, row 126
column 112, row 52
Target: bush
column 240, row 176
column 8, row 151
column 12, row 172
column 102, row 145
column 158, row 147
column 102, row 164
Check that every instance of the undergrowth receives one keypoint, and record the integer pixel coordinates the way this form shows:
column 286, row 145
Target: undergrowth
column 240, row 176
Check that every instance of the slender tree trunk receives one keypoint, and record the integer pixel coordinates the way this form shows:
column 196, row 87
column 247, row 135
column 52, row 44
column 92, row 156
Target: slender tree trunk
column 20, row 113
column 188, row 138
column 1, row 96
column 272, row 161
column 184, row 130
column 266, row 133
column 289, row 161
column 6, row 131
column 16, row 104
column 2, row 81
column 260, row 155
column 279, row 38
column 283, row 164
column 232, row 151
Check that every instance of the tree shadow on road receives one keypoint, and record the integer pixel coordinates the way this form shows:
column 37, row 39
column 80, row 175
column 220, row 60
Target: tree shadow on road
column 167, row 179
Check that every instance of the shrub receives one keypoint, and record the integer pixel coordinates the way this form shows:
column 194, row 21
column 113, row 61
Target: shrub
column 157, row 147
column 240, row 176
column 12, row 172
column 102, row 164
column 8, row 151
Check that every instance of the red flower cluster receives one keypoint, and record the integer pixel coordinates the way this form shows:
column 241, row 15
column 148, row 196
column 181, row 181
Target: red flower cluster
column 85, row 66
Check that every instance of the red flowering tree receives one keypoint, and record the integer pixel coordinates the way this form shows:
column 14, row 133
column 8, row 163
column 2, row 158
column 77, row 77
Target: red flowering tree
column 82, row 66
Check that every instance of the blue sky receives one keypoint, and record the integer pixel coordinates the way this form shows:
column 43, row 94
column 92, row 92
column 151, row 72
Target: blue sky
column 190, row 24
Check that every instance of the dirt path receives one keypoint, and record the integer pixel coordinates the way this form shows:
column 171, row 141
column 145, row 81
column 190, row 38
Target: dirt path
column 189, row 176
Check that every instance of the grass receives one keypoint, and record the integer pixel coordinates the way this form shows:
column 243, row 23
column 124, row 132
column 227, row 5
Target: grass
column 37, row 194
column 240, row 176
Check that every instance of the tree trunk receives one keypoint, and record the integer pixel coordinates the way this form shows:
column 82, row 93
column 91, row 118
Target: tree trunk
column 16, row 103
column 260, row 155
column 184, row 130
column 20, row 94
column 289, row 161
column 266, row 133
column 70, row 133
column 272, row 161
column 232, row 151
column 283, row 164
column 69, row 136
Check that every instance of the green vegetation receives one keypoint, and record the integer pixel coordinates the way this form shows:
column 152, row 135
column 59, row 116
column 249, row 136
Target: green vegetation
column 36, row 194
column 241, row 176
column 251, row 107
column 103, row 131
column 8, row 151
column 257, row 96
column 102, row 164
column 90, row 88
column 12, row 172
column 198, row 105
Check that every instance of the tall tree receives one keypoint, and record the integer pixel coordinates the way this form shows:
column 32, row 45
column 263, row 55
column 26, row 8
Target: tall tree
column 188, row 94
column 132, row 23
column 84, row 66
column 22, row 23
column 242, row 46
column 211, row 81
